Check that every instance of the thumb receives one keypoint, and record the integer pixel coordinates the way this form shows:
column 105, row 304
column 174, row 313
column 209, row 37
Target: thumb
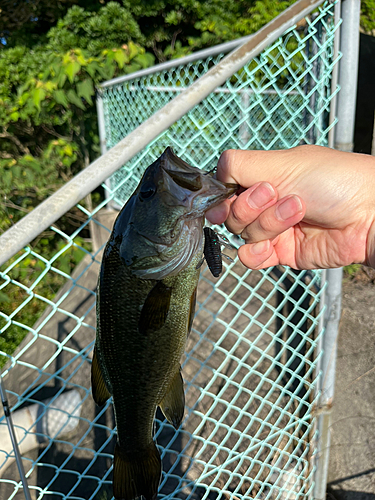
column 246, row 168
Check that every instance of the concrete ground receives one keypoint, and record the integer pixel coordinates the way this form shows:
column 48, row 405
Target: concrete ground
column 352, row 454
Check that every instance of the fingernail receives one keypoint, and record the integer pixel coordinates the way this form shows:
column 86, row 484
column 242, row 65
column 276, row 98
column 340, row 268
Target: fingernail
column 289, row 208
column 261, row 247
column 261, row 195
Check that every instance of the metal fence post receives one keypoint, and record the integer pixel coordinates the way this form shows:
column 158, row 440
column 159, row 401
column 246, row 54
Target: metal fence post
column 348, row 73
column 327, row 380
column 102, row 133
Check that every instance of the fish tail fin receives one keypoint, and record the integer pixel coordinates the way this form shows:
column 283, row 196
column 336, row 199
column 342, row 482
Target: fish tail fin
column 136, row 474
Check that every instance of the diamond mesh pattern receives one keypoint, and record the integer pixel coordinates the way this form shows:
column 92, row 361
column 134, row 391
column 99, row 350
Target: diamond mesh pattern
column 252, row 361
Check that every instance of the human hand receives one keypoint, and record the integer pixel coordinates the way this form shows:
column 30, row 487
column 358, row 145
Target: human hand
column 320, row 212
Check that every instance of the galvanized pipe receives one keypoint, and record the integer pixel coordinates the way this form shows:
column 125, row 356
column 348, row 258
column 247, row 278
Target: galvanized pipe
column 335, row 74
column 348, row 72
column 101, row 124
column 45, row 214
column 13, row 439
column 332, row 313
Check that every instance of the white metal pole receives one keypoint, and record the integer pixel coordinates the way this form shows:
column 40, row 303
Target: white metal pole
column 102, row 134
column 348, row 74
column 335, row 74
column 12, row 435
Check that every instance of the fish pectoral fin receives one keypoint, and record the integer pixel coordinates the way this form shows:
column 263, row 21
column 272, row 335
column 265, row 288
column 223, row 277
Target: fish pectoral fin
column 99, row 390
column 173, row 403
column 136, row 474
column 155, row 309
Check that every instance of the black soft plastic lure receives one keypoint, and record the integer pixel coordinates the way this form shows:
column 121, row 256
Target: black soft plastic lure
column 213, row 242
column 212, row 251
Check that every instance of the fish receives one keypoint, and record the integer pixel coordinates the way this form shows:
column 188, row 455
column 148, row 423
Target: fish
column 146, row 299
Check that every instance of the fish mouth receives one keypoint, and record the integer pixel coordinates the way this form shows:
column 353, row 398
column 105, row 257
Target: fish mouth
column 192, row 187
column 210, row 196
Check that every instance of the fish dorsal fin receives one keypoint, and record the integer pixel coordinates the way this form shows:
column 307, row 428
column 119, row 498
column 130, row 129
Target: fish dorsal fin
column 100, row 392
column 155, row 309
column 173, row 403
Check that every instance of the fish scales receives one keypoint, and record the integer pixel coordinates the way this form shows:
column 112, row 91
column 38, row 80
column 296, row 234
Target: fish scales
column 145, row 307
column 140, row 357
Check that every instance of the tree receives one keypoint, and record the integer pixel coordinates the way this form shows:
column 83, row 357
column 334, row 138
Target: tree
column 47, row 114
column 28, row 22
column 173, row 28
column 170, row 28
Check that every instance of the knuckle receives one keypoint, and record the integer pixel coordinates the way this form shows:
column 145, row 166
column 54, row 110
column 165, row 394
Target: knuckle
column 248, row 236
column 232, row 229
column 240, row 212
column 226, row 161
column 266, row 225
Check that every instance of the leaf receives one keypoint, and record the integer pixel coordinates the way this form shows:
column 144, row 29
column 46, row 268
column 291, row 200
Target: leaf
column 144, row 60
column 64, row 264
column 107, row 71
column 93, row 68
column 132, row 68
column 133, row 49
column 14, row 116
column 74, row 99
column 6, row 179
column 121, row 58
column 38, row 95
column 68, row 150
column 23, row 98
column 85, row 89
column 49, row 85
column 71, row 69
column 61, row 79
column 60, row 98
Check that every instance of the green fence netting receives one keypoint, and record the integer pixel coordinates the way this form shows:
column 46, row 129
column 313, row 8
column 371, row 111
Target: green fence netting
column 251, row 366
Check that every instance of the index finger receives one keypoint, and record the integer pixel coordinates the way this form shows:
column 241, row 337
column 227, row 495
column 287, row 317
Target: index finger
column 246, row 168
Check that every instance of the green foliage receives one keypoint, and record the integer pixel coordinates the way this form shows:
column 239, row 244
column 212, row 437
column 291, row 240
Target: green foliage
column 28, row 180
column 49, row 121
column 32, row 272
column 173, row 28
column 367, row 16
column 66, row 82
column 351, row 270
column 169, row 27
column 47, row 113
column 109, row 28
column 28, row 22
column 48, row 133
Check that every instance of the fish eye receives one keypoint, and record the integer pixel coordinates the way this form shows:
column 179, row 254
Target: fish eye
column 147, row 191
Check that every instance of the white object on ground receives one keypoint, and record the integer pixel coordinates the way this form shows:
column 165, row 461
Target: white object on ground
column 38, row 423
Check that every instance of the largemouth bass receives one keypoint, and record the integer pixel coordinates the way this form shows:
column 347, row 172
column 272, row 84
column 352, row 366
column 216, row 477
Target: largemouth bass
column 145, row 308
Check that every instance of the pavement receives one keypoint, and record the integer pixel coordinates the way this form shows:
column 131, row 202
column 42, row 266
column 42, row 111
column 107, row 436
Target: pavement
column 352, row 455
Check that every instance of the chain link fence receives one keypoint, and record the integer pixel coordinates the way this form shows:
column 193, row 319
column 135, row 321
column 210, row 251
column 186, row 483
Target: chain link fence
column 252, row 362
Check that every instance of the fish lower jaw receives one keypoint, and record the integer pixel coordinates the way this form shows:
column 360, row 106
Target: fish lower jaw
column 190, row 245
